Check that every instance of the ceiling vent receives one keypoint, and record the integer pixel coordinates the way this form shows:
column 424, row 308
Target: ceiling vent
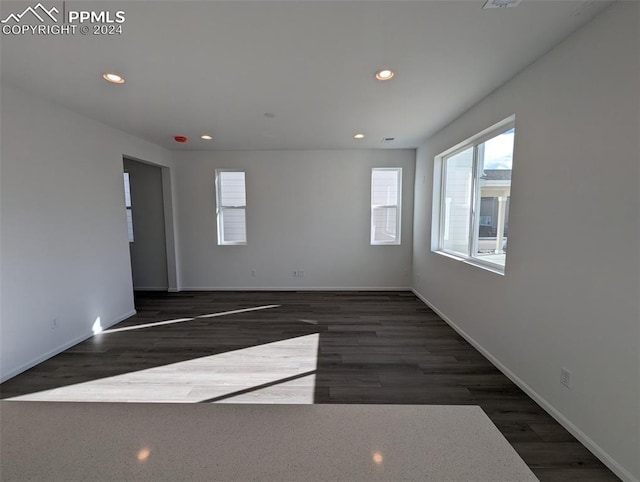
column 387, row 140
column 501, row 3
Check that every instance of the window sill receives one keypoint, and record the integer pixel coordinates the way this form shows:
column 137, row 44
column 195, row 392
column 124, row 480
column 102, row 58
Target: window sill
column 493, row 268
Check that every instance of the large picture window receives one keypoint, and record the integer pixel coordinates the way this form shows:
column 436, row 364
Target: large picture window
column 231, row 207
column 473, row 191
column 386, row 194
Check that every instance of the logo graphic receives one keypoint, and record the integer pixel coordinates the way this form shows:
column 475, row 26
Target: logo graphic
column 34, row 11
column 40, row 20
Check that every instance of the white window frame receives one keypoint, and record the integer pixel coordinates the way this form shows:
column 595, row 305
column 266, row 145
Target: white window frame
column 439, row 213
column 397, row 206
column 128, row 206
column 220, row 208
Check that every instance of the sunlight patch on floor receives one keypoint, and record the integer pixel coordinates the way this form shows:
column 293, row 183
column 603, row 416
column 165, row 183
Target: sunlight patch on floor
column 299, row 391
column 182, row 320
column 245, row 371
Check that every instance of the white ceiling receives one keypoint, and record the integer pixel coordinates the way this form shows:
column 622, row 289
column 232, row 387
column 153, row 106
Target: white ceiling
column 216, row 67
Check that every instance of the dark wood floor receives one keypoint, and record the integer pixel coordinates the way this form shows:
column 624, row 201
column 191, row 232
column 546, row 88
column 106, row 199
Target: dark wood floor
column 374, row 347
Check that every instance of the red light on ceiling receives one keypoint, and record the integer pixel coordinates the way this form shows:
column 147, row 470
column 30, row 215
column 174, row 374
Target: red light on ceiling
column 180, row 139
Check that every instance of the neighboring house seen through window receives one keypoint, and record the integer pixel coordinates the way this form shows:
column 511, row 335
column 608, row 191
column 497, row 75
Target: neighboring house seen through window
column 231, row 207
column 386, row 194
column 472, row 195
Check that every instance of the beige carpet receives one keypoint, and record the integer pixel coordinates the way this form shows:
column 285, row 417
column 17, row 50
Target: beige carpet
column 179, row 442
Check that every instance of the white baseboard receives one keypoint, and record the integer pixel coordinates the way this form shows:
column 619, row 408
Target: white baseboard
column 39, row 359
column 606, row 459
column 150, row 288
column 294, row 288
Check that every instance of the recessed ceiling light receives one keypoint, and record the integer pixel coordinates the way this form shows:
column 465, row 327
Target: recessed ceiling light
column 113, row 78
column 359, row 136
column 206, row 137
column 384, row 74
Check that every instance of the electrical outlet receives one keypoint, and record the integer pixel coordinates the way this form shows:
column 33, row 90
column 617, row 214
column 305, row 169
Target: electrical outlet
column 565, row 377
column 253, row 273
column 54, row 323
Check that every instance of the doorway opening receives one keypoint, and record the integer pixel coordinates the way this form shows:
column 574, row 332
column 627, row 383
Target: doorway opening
column 144, row 198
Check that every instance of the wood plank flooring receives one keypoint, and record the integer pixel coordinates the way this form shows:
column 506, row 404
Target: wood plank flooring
column 371, row 347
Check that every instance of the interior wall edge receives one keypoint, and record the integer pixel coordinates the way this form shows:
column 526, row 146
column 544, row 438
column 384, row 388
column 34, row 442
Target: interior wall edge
column 592, row 446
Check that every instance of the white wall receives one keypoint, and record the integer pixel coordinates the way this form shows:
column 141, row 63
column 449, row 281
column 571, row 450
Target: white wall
column 306, row 210
column 148, row 250
column 570, row 294
column 64, row 249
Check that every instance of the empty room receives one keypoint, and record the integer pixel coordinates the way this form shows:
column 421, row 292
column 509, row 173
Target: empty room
column 320, row 240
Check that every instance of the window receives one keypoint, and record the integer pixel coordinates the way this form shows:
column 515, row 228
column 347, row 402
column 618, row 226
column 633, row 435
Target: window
column 127, row 203
column 473, row 191
column 386, row 193
column 232, row 206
